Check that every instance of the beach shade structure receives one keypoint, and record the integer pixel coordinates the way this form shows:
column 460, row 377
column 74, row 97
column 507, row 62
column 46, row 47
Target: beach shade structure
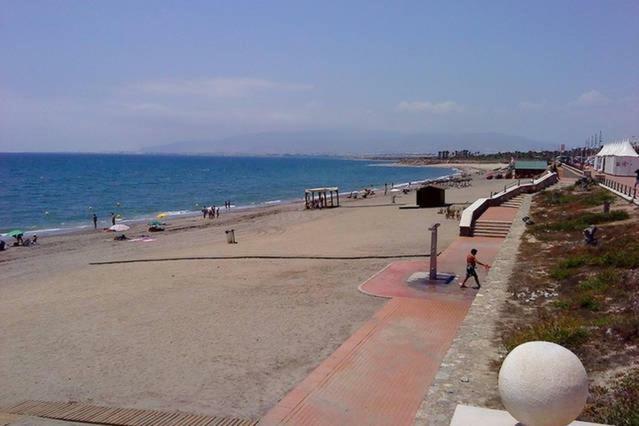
column 395, row 190
column 322, row 200
column 431, row 196
column 119, row 228
column 156, row 223
column 162, row 215
column 16, row 233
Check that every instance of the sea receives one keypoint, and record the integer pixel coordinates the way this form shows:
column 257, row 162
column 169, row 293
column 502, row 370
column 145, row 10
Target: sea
column 55, row 193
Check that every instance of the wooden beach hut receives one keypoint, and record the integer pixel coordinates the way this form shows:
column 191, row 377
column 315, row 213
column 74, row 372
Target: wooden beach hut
column 431, row 196
column 319, row 198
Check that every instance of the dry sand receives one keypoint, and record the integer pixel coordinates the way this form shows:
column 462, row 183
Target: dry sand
column 218, row 337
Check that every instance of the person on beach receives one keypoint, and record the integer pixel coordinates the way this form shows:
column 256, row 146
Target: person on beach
column 385, row 188
column 217, row 212
column 636, row 178
column 204, row 210
column 112, row 218
column 95, row 221
column 471, row 265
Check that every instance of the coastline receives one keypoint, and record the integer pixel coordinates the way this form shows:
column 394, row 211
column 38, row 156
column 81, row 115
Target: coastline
column 79, row 227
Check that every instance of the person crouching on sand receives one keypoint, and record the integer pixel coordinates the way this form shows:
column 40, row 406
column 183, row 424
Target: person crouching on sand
column 471, row 264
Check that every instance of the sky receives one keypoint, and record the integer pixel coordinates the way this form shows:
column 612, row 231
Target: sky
column 121, row 75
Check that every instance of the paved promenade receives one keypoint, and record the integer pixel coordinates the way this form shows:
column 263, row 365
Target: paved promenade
column 381, row 374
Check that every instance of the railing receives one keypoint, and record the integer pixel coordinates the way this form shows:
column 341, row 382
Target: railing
column 472, row 212
column 627, row 192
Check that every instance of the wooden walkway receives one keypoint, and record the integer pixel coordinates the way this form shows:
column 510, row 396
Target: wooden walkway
column 86, row 413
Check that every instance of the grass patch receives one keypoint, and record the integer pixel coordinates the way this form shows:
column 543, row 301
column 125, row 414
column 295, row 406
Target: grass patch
column 560, row 304
column 563, row 330
column 617, row 404
column 560, row 273
column 588, row 301
column 580, row 221
column 558, row 197
column 601, row 282
column 574, row 261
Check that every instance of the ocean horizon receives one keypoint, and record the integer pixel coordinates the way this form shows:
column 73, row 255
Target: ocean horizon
column 59, row 192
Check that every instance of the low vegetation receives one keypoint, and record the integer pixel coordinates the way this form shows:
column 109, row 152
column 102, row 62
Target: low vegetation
column 585, row 298
column 618, row 403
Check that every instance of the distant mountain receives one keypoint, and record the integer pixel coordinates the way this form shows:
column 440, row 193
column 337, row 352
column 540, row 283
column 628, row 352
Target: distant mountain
column 350, row 142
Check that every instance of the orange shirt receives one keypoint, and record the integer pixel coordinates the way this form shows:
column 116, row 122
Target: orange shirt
column 471, row 261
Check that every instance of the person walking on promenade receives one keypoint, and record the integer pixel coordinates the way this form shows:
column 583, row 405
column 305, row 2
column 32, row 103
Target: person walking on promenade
column 471, row 264
column 636, row 182
column 112, row 218
column 95, row 221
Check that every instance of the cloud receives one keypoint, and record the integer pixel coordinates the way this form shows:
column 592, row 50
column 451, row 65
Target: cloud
column 531, row 106
column 591, row 98
column 234, row 87
column 430, row 107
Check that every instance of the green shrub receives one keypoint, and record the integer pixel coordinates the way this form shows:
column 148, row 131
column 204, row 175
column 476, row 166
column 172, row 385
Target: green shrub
column 560, row 304
column 596, row 198
column 601, row 282
column 560, row 273
column 617, row 404
column 574, row 261
column 588, row 301
column 563, row 330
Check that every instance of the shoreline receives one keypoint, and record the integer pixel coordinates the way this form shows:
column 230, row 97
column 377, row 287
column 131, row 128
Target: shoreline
column 140, row 219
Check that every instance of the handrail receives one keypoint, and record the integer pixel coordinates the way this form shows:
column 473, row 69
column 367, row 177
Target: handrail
column 472, row 212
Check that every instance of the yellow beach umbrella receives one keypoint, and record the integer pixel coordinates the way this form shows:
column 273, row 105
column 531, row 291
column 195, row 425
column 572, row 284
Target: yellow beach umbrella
column 162, row 215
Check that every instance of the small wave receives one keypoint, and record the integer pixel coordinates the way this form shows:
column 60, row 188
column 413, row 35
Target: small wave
column 273, row 202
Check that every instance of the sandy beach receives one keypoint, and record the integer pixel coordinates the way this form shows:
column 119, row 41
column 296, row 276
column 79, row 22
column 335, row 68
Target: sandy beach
column 218, row 337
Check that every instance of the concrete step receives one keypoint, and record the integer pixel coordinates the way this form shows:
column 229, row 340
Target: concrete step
column 492, row 225
column 489, row 234
column 492, row 228
column 493, row 222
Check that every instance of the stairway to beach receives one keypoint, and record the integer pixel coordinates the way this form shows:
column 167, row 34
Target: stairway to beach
column 496, row 221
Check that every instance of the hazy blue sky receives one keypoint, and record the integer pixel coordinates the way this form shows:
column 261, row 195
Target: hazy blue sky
column 112, row 75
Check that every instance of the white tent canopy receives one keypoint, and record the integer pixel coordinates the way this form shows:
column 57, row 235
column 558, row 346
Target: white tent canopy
column 617, row 158
column 619, row 149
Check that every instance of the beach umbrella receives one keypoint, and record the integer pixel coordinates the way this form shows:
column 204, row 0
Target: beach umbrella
column 156, row 223
column 15, row 233
column 119, row 228
column 395, row 190
column 161, row 215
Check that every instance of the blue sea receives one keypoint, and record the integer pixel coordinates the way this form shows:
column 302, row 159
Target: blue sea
column 60, row 192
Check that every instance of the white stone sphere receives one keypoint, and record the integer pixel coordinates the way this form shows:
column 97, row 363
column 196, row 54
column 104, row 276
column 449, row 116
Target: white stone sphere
column 543, row 384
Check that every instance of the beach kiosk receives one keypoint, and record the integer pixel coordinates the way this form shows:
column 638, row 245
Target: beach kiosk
column 529, row 169
column 320, row 198
column 617, row 158
column 431, row 196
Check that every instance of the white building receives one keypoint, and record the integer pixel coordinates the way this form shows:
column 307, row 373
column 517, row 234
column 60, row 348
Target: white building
column 617, row 158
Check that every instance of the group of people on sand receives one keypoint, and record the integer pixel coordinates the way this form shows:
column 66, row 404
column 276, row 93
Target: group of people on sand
column 212, row 211
column 20, row 241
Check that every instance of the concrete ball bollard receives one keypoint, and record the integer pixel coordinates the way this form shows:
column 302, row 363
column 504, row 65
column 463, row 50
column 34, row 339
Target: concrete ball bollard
column 543, row 384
